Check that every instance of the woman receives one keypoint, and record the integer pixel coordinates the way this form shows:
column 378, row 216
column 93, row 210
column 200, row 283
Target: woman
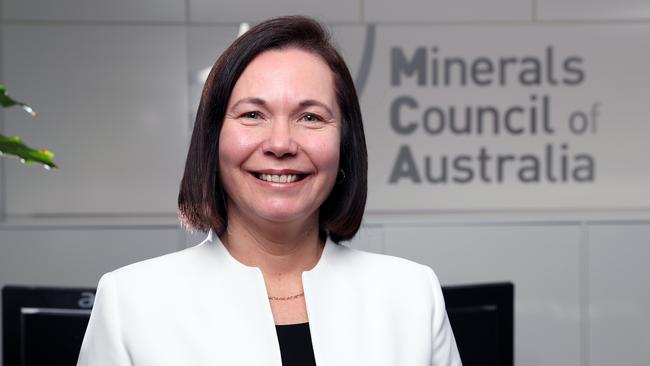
column 276, row 171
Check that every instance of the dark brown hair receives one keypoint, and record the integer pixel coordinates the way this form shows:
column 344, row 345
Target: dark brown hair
column 202, row 200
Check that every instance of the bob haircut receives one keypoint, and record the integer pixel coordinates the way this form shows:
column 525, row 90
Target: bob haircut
column 202, row 200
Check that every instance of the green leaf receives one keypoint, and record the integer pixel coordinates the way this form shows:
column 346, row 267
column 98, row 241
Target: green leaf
column 14, row 146
column 6, row 101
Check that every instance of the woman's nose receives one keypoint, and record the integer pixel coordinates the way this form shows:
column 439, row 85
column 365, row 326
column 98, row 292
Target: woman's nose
column 280, row 141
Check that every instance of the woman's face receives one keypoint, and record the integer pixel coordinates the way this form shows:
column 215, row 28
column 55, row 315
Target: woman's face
column 279, row 144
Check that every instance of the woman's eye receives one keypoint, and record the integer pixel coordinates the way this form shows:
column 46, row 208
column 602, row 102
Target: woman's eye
column 311, row 118
column 252, row 115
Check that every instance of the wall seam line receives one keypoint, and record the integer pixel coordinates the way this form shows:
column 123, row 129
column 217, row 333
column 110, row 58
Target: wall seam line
column 3, row 180
column 533, row 11
column 362, row 15
column 584, row 294
column 432, row 23
column 383, row 239
column 187, row 12
column 182, row 232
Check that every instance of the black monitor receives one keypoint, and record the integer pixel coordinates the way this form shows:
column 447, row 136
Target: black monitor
column 482, row 318
column 44, row 326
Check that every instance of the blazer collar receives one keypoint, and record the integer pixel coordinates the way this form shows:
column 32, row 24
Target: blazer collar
column 224, row 257
column 330, row 297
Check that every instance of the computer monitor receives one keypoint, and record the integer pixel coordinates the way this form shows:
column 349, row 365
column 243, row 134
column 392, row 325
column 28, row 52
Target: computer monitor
column 44, row 326
column 482, row 318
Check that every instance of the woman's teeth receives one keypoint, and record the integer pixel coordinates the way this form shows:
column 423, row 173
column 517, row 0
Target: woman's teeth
column 285, row 178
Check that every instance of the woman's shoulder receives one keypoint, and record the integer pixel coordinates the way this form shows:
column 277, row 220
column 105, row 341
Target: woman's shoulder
column 167, row 279
column 167, row 267
column 378, row 278
column 383, row 267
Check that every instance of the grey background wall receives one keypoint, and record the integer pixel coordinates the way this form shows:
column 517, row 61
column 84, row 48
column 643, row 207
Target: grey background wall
column 115, row 83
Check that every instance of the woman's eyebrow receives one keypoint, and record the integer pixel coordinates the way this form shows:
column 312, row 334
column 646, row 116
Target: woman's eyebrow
column 251, row 100
column 312, row 103
column 303, row 104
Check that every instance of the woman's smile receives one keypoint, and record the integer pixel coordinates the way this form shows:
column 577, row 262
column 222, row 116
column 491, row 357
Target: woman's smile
column 279, row 178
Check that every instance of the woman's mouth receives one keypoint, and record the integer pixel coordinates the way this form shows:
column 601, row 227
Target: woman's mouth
column 280, row 178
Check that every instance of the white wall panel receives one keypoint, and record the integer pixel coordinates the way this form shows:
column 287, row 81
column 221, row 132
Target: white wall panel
column 2, row 125
column 205, row 45
column 408, row 107
column 191, row 238
column 445, row 10
column 94, row 10
column 541, row 261
column 349, row 40
column 76, row 257
column 369, row 238
column 619, row 291
column 113, row 109
column 592, row 9
column 253, row 11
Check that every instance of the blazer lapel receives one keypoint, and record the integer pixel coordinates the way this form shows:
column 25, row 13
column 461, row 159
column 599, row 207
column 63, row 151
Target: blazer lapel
column 247, row 322
column 333, row 307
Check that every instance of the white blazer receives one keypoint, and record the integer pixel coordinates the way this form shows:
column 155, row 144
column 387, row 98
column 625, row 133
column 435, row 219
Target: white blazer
column 200, row 306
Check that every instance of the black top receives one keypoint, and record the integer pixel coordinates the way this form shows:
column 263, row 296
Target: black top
column 295, row 345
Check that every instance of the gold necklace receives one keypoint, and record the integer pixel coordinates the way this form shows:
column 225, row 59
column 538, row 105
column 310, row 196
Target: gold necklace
column 286, row 298
column 280, row 298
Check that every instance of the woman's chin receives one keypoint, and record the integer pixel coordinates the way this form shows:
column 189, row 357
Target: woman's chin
column 287, row 217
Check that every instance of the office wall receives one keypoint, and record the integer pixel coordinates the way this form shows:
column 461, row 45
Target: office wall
column 117, row 83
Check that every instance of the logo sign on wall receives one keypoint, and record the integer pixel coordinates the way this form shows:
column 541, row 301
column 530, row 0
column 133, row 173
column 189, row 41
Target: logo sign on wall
column 506, row 117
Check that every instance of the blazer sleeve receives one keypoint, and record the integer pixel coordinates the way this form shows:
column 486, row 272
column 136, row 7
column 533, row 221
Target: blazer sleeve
column 103, row 344
column 444, row 350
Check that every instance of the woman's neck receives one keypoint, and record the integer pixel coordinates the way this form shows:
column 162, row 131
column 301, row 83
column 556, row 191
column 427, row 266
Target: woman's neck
column 277, row 249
